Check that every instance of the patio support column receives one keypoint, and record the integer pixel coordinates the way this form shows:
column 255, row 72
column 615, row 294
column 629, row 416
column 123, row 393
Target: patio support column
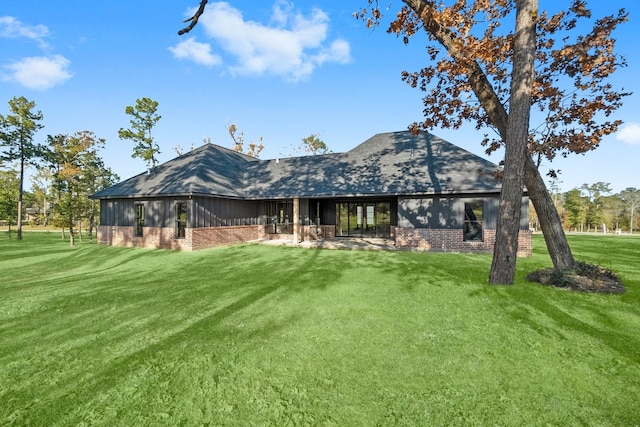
column 296, row 220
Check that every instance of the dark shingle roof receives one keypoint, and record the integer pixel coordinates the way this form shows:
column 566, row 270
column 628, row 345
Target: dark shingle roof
column 208, row 170
column 397, row 163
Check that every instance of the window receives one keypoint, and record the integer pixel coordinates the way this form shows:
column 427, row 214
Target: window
column 278, row 216
column 181, row 219
column 363, row 219
column 473, row 221
column 139, row 219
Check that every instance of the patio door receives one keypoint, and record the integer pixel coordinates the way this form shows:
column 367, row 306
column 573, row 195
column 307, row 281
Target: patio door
column 363, row 219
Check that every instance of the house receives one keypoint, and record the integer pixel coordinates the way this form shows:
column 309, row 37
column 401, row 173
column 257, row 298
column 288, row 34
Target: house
column 418, row 190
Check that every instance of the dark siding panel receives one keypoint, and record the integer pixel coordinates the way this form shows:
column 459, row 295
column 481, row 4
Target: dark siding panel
column 123, row 212
column 106, row 212
column 436, row 213
column 169, row 208
column 129, row 212
column 154, row 213
column 216, row 212
column 241, row 212
column 199, row 212
column 115, row 208
column 328, row 209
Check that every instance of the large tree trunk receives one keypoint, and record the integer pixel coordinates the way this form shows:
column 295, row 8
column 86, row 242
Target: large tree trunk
column 505, row 252
column 550, row 223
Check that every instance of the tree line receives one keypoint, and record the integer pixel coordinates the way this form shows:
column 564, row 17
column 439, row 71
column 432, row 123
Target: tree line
column 69, row 169
column 594, row 208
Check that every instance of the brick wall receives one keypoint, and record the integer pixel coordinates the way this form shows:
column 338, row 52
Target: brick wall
column 152, row 237
column 164, row 237
column 215, row 236
column 452, row 240
column 201, row 238
column 525, row 243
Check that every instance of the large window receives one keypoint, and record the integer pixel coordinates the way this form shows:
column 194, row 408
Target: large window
column 473, row 221
column 363, row 219
column 181, row 219
column 139, row 219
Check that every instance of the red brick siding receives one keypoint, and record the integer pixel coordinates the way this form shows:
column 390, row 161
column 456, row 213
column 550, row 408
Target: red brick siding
column 452, row 240
column 152, row 237
column 159, row 237
column 525, row 243
column 216, row 236
column 201, row 238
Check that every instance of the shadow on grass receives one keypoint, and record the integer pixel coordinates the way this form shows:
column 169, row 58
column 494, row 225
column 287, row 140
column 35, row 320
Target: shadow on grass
column 626, row 345
column 140, row 305
column 561, row 313
column 243, row 275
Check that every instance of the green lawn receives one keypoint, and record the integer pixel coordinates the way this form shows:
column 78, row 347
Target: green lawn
column 263, row 335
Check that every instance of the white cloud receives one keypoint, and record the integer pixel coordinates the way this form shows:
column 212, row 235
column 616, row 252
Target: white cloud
column 10, row 27
column 39, row 72
column 291, row 47
column 195, row 51
column 36, row 72
column 281, row 12
column 629, row 134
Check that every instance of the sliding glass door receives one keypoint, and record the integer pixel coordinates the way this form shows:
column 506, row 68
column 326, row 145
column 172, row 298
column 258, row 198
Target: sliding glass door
column 363, row 219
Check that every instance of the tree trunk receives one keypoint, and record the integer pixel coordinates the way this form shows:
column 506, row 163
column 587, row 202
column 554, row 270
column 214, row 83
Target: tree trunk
column 44, row 212
column 505, row 252
column 19, row 232
column 550, row 222
column 92, row 220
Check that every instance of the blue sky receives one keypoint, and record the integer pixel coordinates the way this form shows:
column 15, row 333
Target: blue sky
column 280, row 70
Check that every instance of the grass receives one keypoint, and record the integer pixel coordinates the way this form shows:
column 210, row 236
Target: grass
column 261, row 335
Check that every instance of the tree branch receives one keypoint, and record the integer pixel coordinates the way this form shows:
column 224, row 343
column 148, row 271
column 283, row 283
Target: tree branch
column 194, row 18
column 477, row 78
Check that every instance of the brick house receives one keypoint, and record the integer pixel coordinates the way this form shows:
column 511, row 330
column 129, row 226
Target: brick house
column 418, row 190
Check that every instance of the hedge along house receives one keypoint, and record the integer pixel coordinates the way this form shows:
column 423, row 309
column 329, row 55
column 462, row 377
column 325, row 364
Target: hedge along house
column 418, row 190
